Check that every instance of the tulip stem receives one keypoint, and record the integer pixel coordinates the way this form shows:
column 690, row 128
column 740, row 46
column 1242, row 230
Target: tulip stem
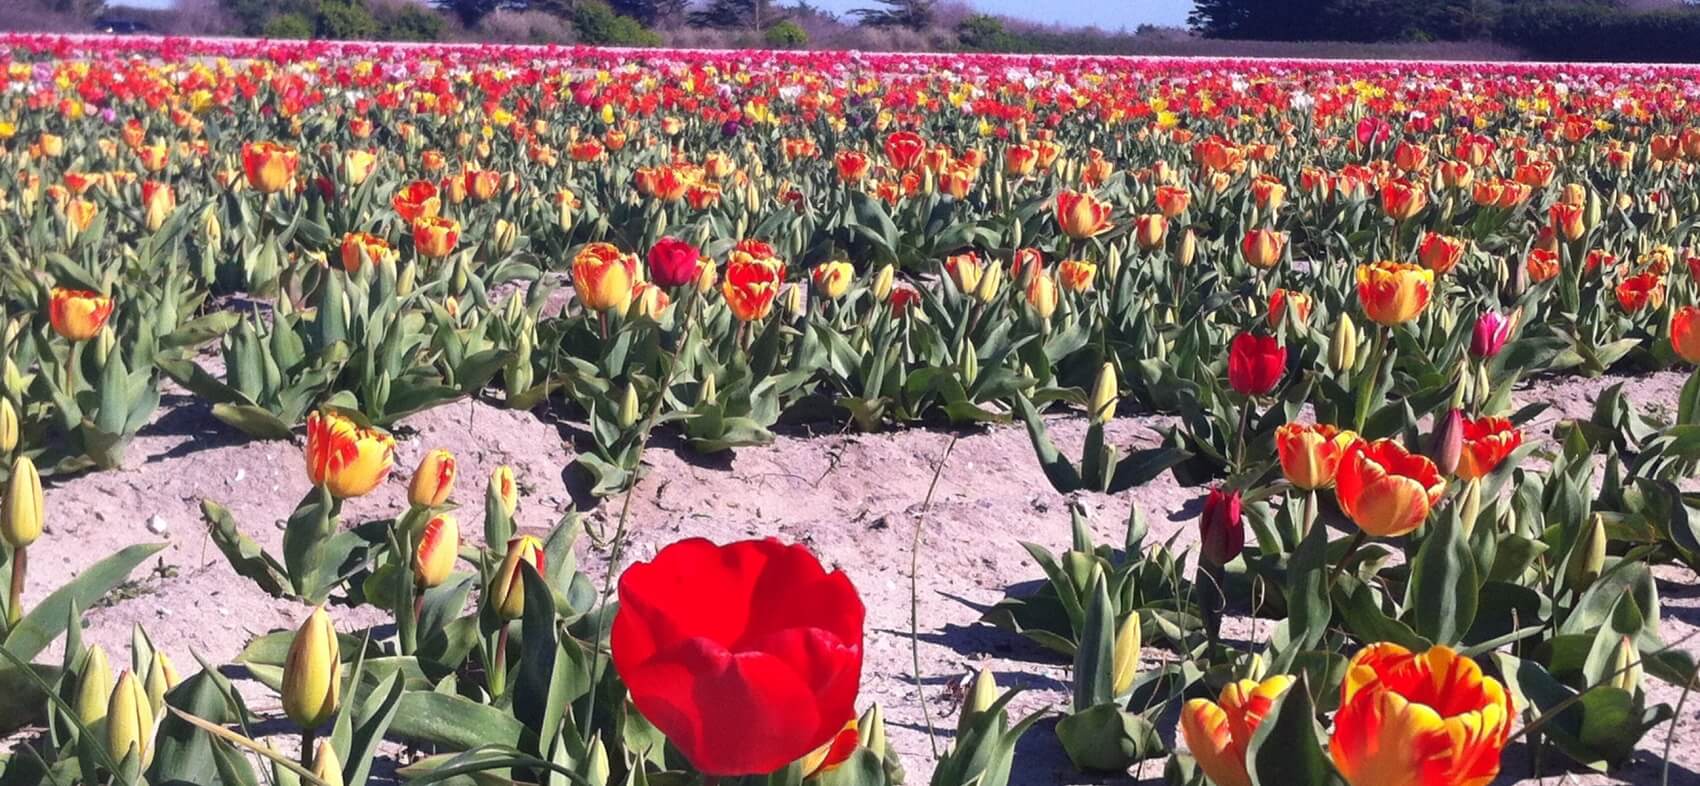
column 1352, row 547
column 308, row 737
column 498, row 670
column 15, row 601
column 1310, row 514
column 1246, row 413
column 915, row 600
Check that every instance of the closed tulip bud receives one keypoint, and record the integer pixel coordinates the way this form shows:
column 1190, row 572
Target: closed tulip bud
column 1343, row 348
column 1125, row 655
column 870, row 730
column 433, row 481
column 796, row 301
column 312, row 673
column 1221, row 527
column 883, row 282
column 1042, row 296
column 969, row 364
column 991, row 282
column 596, row 767
column 1489, row 335
column 1446, row 444
column 982, row 694
column 1186, row 249
column 94, row 686
column 326, row 766
column 507, row 590
column 1471, row 507
column 24, row 512
column 1625, row 666
column 162, row 677
column 709, row 390
column 1102, row 406
column 1588, row 555
column 503, row 489
column 504, row 236
column 130, row 721
column 627, row 416
column 435, row 554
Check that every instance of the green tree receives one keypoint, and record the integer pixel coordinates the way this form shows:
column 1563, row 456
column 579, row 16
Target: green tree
column 344, row 19
column 910, row 14
column 737, row 15
column 986, row 33
column 786, row 35
column 288, row 26
column 412, row 23
column 596, row 23
column 471, row 12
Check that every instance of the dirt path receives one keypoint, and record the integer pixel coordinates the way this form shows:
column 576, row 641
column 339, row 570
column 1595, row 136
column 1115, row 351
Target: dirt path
column 855, row 499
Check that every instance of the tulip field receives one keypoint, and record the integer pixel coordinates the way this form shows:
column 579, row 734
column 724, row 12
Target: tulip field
column 477, row 414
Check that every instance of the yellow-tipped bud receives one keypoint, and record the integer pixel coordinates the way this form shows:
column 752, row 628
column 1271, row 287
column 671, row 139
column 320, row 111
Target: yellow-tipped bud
column 980, row 698
column 1626, row 666
column 1186, row 249
column 435, row 554
column 870, row 730
column 504, row 490
column 1102, row 406
column 130, row 721
column 1343, row 348
column 433, row 480
column 883, row 282
column 327, row 766
column 312, row 674
column 162, row 677
column 709, row 389
column 8, row 426
column 1125, row 655
column 507, row 589
column 21, row 521
column 628, row 414
column 94, row 688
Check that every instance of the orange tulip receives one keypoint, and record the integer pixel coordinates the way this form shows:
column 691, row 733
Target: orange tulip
column 1419, row 719
column 269, row 166
column 1311, row 453
column 1269, row 192
column 348, row 459
column 1172, row 200
column 1641, row 291
column 1042, row 295
column 77, row 315
column 1149, row 230
column 1020, row 160
column 1081, row 215
column 1393, row 293
column 1263, row 247
column 603, row 277
column 1076, row 275
column 1568, row 220
column 852, row 165
column 1218, row 733
column 1542, row 264
column 1487, row 442
column 1685, row 333
column 435, row 237
column 416, row 200
column 359, row 247
column 1402, row 199
column 964, row 271
column 1386, row 489
column 751, row 285
column 1283, row 300
column 1440, row 253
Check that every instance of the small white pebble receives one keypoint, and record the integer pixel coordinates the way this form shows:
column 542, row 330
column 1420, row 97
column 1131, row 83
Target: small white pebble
column 157, row 524
column 240, row 474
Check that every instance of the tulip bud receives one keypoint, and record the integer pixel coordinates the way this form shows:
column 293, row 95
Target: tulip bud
column 1221, row 528
column 709, row 391
column 796, row 301
column 312, row 673
column 969, row 364
column 1102, row 406
column 883, row 283
column 1489, row 335
column 1186, row 249
column 435, row 554
column 1343, row 348
column 129, row 721
column 628, row 414
column 20, row 522
column 596, row 767
column 1113, row 262
column 1254, row 667
column 1626, row 666
column 1471, row 506
column 503, row 237
column 1125, row 655
column 507, row 589
column 980, row 698
column 406, row 278
column 326, row 766
column 433, row 480
column 870, row 730
column 1588, row 555
column 94, row 686
column 991, row 281
column 162, row 677
column 1446, row 444
column 503, row 490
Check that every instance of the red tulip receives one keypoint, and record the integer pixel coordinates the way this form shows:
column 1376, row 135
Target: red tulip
column 1255, row 364
column 1221, row 529
column 674, row 262
column 747, row 656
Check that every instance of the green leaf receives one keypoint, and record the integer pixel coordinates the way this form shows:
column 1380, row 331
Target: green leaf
column 1441, row 598
column 43, row 623
column 1287, row 748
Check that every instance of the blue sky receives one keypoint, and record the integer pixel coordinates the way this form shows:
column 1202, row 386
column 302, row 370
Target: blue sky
column 1110, row 15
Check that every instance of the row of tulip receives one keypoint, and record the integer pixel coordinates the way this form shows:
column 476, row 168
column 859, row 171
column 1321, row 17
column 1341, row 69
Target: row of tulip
column 1304, row 263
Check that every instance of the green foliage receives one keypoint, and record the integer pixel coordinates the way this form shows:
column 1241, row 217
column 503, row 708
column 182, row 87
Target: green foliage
column 786, row 35
column 595, row 22
column 910, row 14
column 412, row 23
column 344, row 19
column 1357, row 20
column 736, row 15
column 471, row 12
column 986, row 33
column 1589, row 31
column 288, row 26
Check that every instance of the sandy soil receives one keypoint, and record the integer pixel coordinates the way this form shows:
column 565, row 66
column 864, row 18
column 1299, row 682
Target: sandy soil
column 856, row 499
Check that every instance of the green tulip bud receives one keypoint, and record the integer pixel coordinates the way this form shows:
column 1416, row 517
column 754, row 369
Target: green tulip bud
column 628, row 413
column 21, row 520
column 1102, row 406
column 1125, row 655
column 883, row 282
column 162, row 677
column 1343, row 348
column 980, row 698
column 870, row 730
column 707, row 393
column 1626, row 666
column 8, row 426
column 94, row 686
column 1588, row 555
